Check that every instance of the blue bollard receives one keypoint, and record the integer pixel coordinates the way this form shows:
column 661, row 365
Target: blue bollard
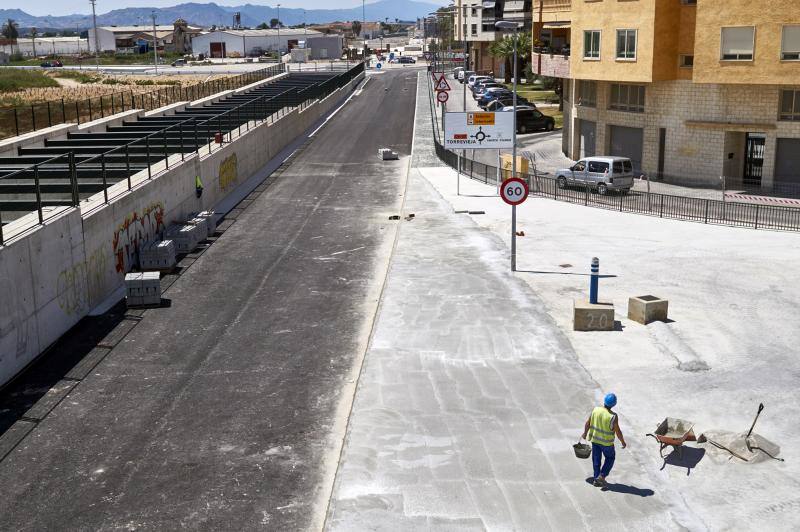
column 594, row 281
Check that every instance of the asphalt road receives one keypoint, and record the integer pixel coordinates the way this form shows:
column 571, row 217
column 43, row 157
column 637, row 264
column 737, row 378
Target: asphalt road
column 226, row 410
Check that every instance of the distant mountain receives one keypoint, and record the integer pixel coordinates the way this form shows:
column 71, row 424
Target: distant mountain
column 211, row 14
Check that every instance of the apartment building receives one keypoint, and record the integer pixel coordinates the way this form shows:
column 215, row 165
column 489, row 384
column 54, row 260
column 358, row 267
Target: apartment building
column 688, row 89
column 474, row 22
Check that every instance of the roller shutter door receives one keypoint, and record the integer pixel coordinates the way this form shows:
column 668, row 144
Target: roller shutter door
column 628, row 142
column 787, row 161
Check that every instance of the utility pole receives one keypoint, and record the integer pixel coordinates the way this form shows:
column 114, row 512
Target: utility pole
column 155, row 42
column 279, row 32
column 96, row 40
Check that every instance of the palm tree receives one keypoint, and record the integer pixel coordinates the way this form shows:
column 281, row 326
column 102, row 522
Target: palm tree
column 504, row 48
column 10, row 30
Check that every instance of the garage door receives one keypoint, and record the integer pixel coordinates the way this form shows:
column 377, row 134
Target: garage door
column 588, row 134
column 787, row 161
column 217, row 50
column 628, row 142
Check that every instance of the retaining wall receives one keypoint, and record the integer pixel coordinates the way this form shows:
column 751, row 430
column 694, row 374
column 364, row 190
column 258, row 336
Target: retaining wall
column 56, row 273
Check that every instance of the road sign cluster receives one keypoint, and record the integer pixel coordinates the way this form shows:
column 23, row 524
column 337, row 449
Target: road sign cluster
column 442, row 88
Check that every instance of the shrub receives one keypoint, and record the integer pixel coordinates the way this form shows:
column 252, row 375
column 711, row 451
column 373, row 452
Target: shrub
column 13, row 79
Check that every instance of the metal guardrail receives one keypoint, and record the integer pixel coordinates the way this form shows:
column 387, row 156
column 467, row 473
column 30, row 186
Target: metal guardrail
column 25, row 119
column 258, row 111
column 703, row 210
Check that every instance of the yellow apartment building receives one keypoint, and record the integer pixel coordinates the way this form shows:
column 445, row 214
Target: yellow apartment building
column 690, row 90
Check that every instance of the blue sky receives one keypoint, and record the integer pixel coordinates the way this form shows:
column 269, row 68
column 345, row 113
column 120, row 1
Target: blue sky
column 68, row 7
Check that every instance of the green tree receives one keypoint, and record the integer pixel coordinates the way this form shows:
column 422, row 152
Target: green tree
column 10, row 30
column 262, row 26
column 275, row 23
column 356, row 27
column 504, row 49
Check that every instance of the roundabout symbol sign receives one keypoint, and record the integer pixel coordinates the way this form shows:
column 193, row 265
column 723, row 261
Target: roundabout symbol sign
column 514, row 191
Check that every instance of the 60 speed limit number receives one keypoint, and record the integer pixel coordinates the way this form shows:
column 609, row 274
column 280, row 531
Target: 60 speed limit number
column 514, row 191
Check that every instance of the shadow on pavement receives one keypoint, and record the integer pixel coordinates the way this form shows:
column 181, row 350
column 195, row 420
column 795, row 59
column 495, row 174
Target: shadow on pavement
column 689, row 457
column 624, row 488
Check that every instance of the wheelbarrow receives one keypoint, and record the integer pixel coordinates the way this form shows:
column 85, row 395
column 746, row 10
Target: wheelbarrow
column 673, row 432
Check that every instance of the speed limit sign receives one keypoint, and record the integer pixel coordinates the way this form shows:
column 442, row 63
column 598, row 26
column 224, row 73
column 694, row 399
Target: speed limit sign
column 514, row 191
column 442, row 97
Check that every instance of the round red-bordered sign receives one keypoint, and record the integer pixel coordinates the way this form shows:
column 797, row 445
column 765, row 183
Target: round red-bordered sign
column 514, row 191
column 442, row 97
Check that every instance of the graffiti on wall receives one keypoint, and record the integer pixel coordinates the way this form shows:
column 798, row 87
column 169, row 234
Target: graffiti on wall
column 15, row 323
column 136, row 230
column 81, row 284
column 228, row 172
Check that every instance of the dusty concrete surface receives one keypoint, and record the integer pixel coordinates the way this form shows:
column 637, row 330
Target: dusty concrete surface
column 219, row 412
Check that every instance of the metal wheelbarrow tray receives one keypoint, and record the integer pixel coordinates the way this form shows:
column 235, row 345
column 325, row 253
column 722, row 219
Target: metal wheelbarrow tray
column 674, row 432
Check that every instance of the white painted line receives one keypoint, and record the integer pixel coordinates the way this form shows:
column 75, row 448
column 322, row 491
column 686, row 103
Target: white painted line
column 337, row 110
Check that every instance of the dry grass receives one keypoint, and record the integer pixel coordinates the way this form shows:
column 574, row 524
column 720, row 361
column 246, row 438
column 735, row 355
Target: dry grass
column 90, row 85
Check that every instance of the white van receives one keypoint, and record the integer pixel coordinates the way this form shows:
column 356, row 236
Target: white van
column 601, row 173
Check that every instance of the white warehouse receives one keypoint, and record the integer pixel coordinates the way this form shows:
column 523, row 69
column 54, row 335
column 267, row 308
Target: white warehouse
column 225, row 43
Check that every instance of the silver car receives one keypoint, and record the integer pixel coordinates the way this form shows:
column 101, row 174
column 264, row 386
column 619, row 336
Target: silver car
column 600, row 173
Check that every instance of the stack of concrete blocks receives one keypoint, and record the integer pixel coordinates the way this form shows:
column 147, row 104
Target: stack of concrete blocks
column 201, row 224
column 185, row 237
column 143, row 289
column 157, row 255
column 210, row 220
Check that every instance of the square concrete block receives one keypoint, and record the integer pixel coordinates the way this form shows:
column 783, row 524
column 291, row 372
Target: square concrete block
column 589, row 317
column 647, row 309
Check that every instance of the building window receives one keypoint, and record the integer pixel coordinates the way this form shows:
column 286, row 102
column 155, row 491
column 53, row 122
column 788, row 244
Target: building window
column 626, row 44
column 790, row 45
column 738, row 43
column 790, row 104
column 687, row 61
column 627, row 98
column 587, row 93
column 689, row 2
column 474, row 12
column 591, row 44
column 474, row 29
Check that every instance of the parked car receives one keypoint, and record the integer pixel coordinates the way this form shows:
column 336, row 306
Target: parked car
column 474, row 79
column 492, row 94
column 520, row 107
column 464, row 75
column 499, row 104
column 479, row 88
column 404, row 59
column 532, row 120
column 490, row 88
column 179, row 63
column 52, row 64
column 600, row 173
column 457, row 71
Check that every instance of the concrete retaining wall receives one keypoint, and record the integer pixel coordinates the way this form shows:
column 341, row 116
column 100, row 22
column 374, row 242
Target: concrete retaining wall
column 57, row 273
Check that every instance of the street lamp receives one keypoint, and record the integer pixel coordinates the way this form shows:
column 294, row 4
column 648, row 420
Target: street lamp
column 508, row 25
column 279, row 32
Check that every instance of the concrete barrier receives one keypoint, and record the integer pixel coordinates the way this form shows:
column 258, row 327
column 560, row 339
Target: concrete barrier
column 101, row 124
column 58, row 272
column 167, row 110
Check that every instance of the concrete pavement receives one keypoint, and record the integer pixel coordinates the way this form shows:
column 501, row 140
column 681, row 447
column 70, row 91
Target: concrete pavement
column 470, row 399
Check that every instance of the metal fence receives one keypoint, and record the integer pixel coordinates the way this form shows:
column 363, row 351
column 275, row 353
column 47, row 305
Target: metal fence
column 25, row 119
column 703, row 210
column 191, row 133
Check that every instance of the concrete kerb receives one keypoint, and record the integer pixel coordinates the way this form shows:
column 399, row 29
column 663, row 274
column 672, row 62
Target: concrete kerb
column 260, row 83
column 167, row 110
column 35, row 138
column 210, row 99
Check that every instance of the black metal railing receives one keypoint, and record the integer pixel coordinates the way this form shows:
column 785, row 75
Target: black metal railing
column 200, row 135
column 19, row 120
column 754, row 215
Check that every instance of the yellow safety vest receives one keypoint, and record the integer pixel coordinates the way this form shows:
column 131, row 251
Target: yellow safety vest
column 601, row 427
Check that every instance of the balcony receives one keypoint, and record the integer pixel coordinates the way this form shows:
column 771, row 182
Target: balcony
column 551, row 7
column 554, row 64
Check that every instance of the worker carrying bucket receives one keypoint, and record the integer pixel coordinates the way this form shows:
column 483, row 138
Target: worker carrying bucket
column 601, row 429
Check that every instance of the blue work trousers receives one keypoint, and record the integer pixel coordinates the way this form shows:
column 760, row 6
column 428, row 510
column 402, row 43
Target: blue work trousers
column 598, row 452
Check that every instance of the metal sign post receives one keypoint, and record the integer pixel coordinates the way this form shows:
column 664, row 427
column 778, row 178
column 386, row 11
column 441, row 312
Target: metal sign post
column 514, row 191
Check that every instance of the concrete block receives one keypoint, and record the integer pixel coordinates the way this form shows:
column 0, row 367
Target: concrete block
column 158, row 255
column 202, row 226
column 589, row 317
column 185, row 237
column 211, row 220
column 647, row 309
column 388, row 155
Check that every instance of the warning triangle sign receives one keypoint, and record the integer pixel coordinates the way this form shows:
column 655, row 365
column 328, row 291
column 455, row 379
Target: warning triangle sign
column 442, row 84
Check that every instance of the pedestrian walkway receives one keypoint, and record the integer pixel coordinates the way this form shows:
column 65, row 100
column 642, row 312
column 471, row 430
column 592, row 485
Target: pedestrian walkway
column 470, row 398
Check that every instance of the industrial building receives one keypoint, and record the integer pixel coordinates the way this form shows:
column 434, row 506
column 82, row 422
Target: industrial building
column 241, row 43
column 45, row 46
column 176, row 37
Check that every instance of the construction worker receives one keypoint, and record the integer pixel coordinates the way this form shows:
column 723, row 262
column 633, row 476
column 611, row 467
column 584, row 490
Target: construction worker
column 601, row 427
